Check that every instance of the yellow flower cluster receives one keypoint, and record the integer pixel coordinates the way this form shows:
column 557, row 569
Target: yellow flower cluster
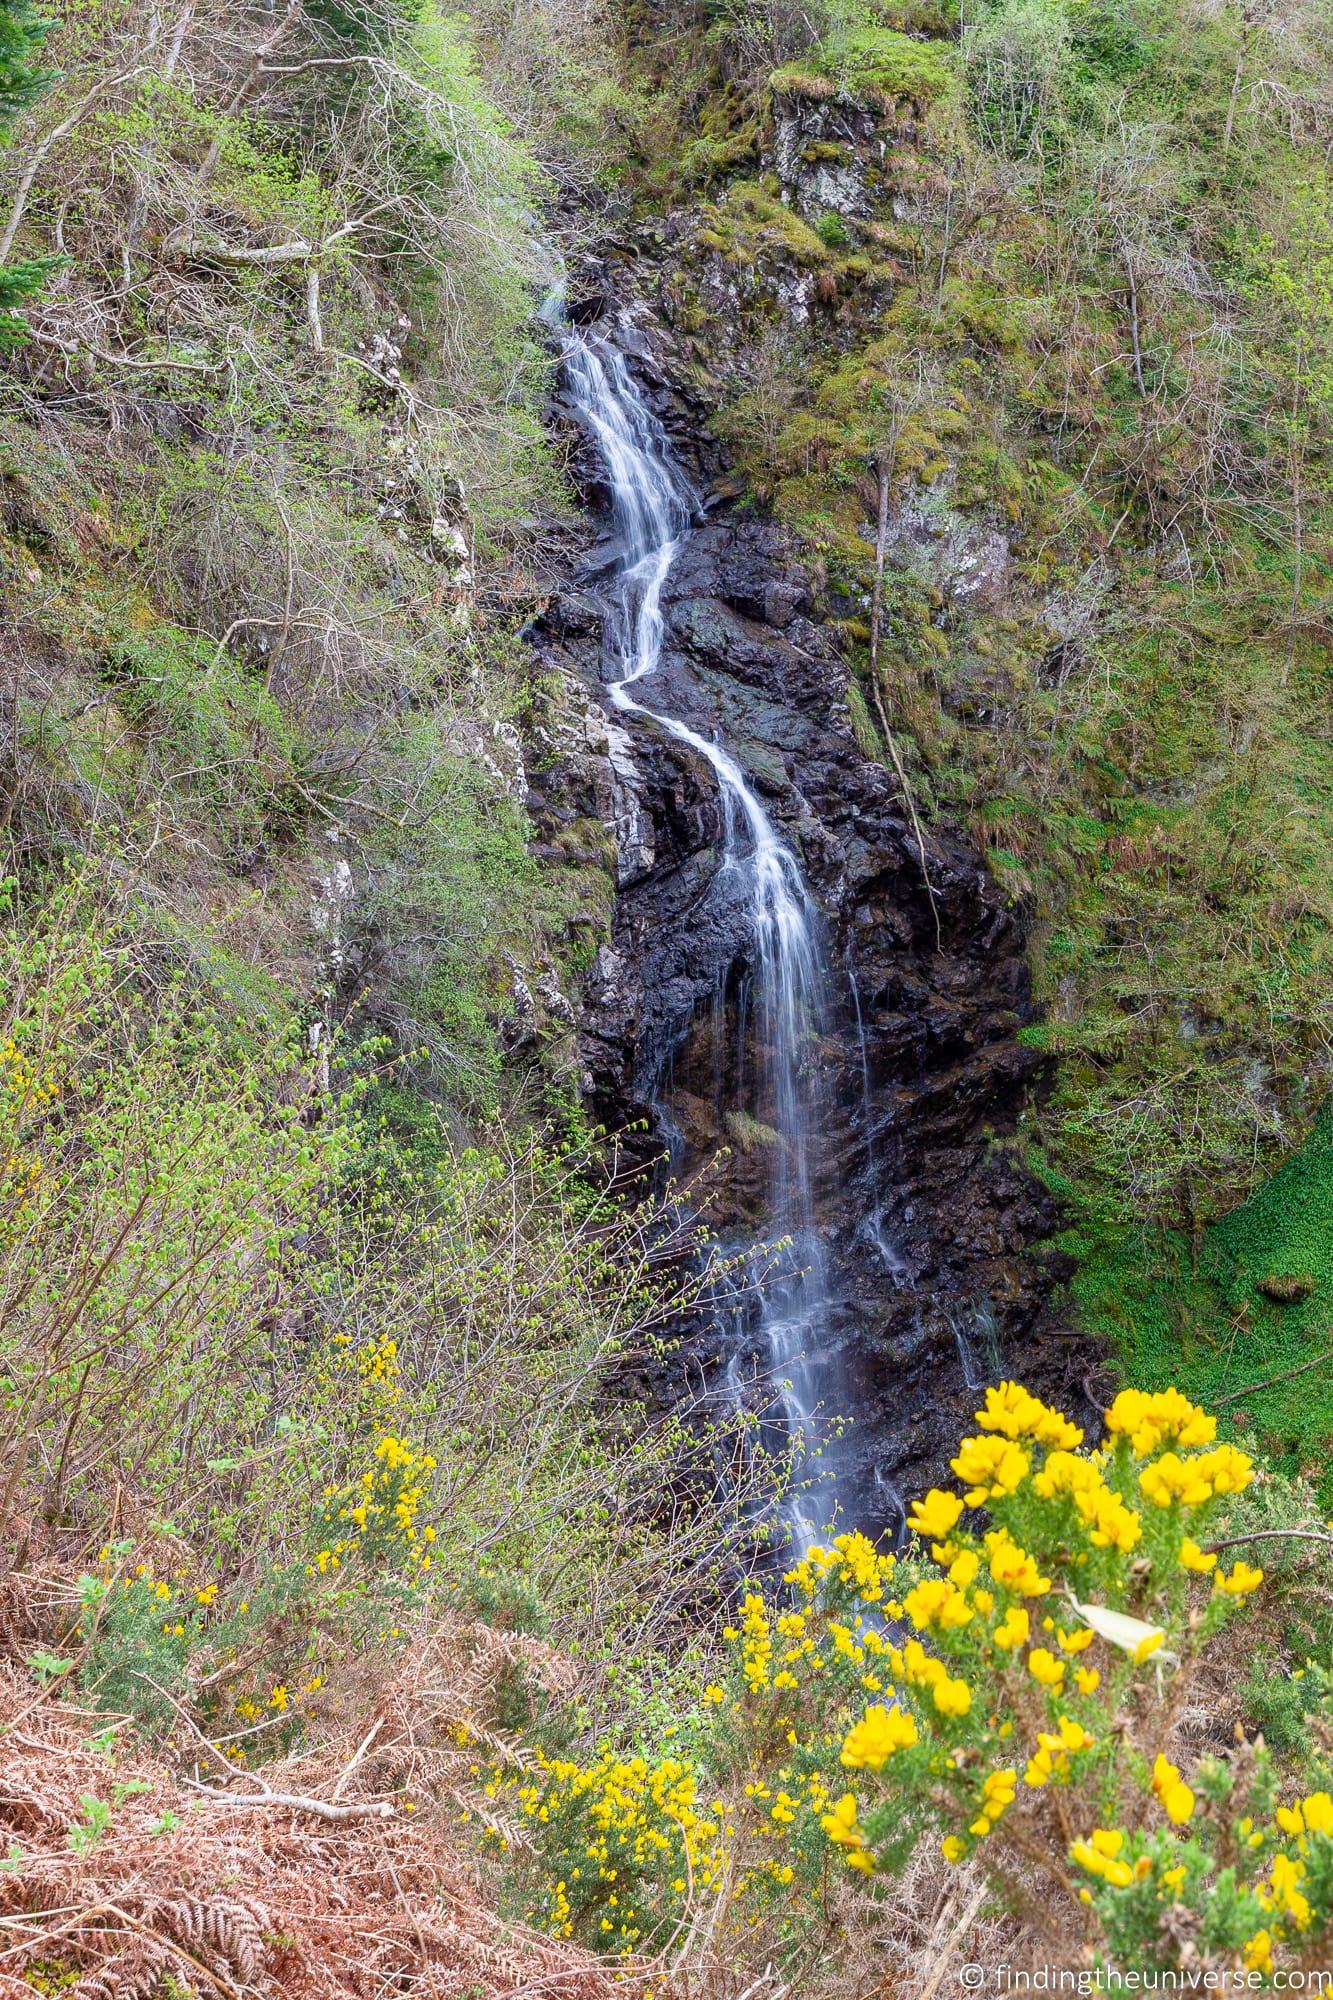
column 1015, row 1413
column 1049, row 1762
column 845, row 1831
column 1100, row 1855
column 1151, row 1420
column 853, row 1560
column 1240, row 1580
column 990, row 1467
column 920, row 1669
column 1056, row 1510
column 20, row 1082
column 1282, row 1893
column 935, row 1518
column 22, row 1094
column 1312, row 1814
column 757, row 1643
column 872, row 1741
column 381, row 1513
column 378, row 1369
column 1192, row 1481
column 937, row 1603
column 1013, row 1568
column 998, row 1791
column 1172, row 1793
column 1045, row 1668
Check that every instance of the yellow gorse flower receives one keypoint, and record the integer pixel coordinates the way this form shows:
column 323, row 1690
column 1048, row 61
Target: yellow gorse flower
column 1312, row 1814
column 873, row 1740
column 1100, row 1855
column 1015, row 1413
column 1013, row 1568
column 997, row 1795
column 1150, row 1421
column 1239, row 1580
column 1050, row 1760
column 990, row 1468
column 1013, row 1629
column 937, row 1603
column 935, row 1517
column 1175, row 1797
column 1111, row 1524
column 1045, row 1668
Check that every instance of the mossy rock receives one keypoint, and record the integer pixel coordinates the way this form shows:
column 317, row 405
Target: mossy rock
column 749, row 224
column 1286, row 1288
column 873, row 65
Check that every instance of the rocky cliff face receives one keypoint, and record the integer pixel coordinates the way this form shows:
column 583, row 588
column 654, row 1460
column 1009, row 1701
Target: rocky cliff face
column 934, row 1228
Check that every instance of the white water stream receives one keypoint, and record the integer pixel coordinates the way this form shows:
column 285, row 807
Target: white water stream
column 653, row 507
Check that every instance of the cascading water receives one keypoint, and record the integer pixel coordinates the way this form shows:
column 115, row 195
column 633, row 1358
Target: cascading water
column 653, row 507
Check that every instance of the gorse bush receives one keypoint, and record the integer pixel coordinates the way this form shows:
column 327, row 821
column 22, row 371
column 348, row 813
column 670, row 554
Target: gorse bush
column 1011, row 1685
column 1054, row 1642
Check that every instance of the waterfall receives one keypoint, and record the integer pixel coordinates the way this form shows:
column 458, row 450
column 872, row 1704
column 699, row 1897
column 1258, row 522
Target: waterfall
column 653, row 507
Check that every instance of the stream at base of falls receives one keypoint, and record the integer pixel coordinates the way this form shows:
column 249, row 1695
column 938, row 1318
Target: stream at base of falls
column 802, row 1388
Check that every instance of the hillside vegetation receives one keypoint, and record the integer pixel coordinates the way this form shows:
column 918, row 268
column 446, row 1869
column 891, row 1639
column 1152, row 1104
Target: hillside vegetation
column 363, row 1627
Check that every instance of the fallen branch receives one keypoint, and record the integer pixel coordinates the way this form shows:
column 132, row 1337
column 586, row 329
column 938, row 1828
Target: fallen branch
column 294, row 1802
column 911, row 806
column 74, row 348
column 1220, row 1402
column 1271, row 1535
column 361, row 1750
column 945, row 1958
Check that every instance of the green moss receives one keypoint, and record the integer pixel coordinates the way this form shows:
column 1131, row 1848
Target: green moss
column 1206, row 1323
column 748, row 224
column 878, row 64
column 863, row 727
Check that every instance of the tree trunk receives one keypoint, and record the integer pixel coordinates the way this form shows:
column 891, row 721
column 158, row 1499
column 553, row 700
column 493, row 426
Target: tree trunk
column 1134, row 320
column 881, row 543
column 1236, row 82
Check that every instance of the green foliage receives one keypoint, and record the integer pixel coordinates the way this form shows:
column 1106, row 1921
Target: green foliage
column 215, row 727
column 750, row 224
column 1213, row 1322
column 365, row 25
column 1017, row 63
column 458, row 886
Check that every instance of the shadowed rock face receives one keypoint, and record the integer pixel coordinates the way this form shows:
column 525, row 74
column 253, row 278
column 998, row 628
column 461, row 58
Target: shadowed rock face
column 930, row 1221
